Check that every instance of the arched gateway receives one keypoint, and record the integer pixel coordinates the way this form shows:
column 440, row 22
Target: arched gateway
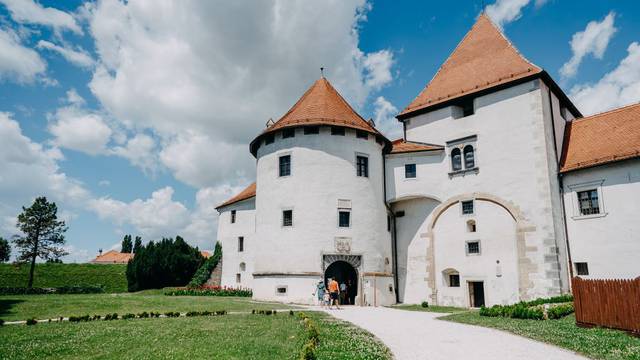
column 343, row 268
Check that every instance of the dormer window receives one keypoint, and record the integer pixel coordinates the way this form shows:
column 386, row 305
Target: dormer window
column 467, row 108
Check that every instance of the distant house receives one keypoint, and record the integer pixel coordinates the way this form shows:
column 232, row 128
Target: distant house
column 115, row 257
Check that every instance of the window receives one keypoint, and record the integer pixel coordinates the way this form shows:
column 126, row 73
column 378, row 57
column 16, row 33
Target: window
column 241, row 244
column 288, row 133
column 362, row 165
column 238, row 278
column 467, row 207
column 400, row 213
column 243, row 267
column 588, row 202
column 269, row 139
column 582, row 268
column 285, row 165
column 388, row 223
column 409, row 171
column 344, row 218
column 473, row 247
column 469, row 159
column 454, row 280
column 336, row 130
column 360, row 134
column 287, row 218
column 233, row 216
column 471, row 226
column 467, row 108
column 281, row 290
column 311, row 130
column 456, row 160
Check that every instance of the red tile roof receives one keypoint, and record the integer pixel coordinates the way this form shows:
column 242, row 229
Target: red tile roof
column 483, row 59
column 602, row 138
column 113, row 257
column 403, row 146
column 321, row 104
column 247, row 193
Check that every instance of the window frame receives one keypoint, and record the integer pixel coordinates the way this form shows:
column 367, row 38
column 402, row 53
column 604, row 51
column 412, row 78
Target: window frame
column 340, row 212
column 288, row 133
column 467, row 249
column 473, row 207
column 453, row 161
column 311, row 130
column 366, row 165
column 415, row 171
column 361, row 134
column 573, row 190
column 280, row 164
column 473, row 157
column 240, row 243
column 269, row 138
column 238, row 278
column 591, row 197
column 233, row 216
column 282, row 222
column 458, row 146
column 338, row 131
column 581, row 271
column 451, row 283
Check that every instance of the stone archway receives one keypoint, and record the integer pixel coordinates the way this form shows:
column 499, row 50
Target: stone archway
column 345, row 268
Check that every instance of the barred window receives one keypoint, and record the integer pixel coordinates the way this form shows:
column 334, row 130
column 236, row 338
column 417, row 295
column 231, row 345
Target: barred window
column 473, row 247
column 409, row 171
column 287, row 218
column 285, row 165
column 362, row 165
column 588, row 201
column 582, row 268
column 467, row 207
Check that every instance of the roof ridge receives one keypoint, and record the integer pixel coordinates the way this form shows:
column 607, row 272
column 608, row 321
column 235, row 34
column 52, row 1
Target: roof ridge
column 606, row 112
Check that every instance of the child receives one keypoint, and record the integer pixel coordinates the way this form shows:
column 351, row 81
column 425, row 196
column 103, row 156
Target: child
column 327, row 299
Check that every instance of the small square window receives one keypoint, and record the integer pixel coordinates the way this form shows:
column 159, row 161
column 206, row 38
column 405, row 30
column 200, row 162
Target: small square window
column 362, row 165
column 241, row 244
column 281, row 290
column 285, row 165
column 588, row 201
column 287, row 218
column 410, row 171
column 360, row 134
column 582, row 268
column 336, row 130
column 233, row 216
column 344, row 218
column 473, row 247
column 269, row 139
column 311, row 130
column 467, row 207
column 454, row 280
column 288, row 133
column 238, row 278
column 399, row 213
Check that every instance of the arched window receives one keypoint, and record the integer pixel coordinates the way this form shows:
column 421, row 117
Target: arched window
column 469, row 158
column 471, row 226
column 451, row 277
column 456, row 160
column 243, row 266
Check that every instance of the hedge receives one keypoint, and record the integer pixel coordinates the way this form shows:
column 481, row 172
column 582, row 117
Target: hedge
column 556, row 307
column 210, row 291
column 203, row 274
column 80, row 289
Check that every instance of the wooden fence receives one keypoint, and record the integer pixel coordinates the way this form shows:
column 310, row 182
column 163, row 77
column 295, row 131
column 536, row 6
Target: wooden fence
column 608, row 303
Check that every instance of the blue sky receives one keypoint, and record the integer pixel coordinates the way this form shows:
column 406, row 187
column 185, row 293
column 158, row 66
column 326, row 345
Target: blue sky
column 136, row 118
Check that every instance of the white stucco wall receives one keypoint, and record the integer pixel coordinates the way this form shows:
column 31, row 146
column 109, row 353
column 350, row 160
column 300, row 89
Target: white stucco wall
column 228, row 234
column 610, row 241
column 323, row 171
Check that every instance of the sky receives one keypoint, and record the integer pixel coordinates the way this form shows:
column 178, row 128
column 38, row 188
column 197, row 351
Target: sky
column 136, row 117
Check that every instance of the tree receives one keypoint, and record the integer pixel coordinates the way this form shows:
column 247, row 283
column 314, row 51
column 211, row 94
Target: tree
column 137, row 245
column 42, row 234
column 126, row 244
column 165, row 263
column 5, row 250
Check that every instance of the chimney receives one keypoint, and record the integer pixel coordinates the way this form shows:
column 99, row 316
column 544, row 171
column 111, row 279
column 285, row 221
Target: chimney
column 99, row 252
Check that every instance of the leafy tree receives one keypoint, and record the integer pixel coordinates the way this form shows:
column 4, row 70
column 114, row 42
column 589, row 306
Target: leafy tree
column 126, row 244
column 54, row 261
column 137, row 245
column 5, row 250
column 43, row 234
column 165, row 263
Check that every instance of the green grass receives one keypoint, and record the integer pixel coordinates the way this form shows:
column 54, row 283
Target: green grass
column 111, row 276
column 430, row 308
column 596, row 343
column 21, row 307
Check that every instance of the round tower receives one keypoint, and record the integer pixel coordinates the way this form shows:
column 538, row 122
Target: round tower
column 320, row 209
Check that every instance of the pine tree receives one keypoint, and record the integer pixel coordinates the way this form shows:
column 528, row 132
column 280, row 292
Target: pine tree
column 126, row 244
column 42, row 234
column 137, row 245
column 5, row 250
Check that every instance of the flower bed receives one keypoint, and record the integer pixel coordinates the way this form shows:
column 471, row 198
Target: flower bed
column 538, row 309
column 211, row 291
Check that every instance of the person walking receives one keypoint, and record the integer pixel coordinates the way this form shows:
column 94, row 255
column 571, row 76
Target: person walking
column 343, row 293
column 319, row 292
column 334, row 291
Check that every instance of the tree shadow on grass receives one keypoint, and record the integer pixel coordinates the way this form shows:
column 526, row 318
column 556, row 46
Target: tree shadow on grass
column 7, row 304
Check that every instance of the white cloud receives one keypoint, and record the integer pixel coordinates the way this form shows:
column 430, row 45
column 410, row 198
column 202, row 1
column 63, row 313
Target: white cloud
column 104, row 183
column 77, row 57
column 201, row 84
column 17, row 62
column 505, row 11
column 384, row 117
column 77, row 255
column 78, row 129
column 30, row 12
column 619, row 87
column 593, row 40
column 141, row 151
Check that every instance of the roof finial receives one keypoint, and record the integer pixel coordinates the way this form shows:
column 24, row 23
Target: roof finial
column 322, row 72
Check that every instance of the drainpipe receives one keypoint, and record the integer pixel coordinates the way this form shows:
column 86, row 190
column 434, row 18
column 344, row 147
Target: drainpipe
column 394, row 241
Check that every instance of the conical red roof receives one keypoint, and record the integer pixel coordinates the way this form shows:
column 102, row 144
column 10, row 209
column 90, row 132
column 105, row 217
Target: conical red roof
column 321, row 104
column 483, row 59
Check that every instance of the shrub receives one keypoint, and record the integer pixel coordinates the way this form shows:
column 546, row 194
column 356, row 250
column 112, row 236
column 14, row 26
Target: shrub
column 113, row 316
column 308, row 351
column 32, row 321
column 424, row 304
column 221, row 312
column 128, row 316
column 203, row 273
column 172, row 314
column 97, row 317
column 143, row 315
column 560, row 311
column 533, row 310
column 290, row 312
column 166, row 263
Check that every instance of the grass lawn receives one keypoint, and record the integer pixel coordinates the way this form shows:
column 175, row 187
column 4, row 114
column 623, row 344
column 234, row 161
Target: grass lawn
column 596, row 343
column 21, row 307
column 430, row 308
column 112, row 276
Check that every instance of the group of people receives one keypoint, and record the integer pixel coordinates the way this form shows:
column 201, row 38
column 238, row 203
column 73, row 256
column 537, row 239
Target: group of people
column 334, row 293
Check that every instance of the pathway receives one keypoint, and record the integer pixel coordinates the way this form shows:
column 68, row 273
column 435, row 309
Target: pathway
column 413, row 335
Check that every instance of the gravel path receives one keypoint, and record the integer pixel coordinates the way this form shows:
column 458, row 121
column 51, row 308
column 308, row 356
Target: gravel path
column 415, row 335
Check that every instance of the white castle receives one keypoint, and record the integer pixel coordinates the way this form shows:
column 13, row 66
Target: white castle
column 499, row 191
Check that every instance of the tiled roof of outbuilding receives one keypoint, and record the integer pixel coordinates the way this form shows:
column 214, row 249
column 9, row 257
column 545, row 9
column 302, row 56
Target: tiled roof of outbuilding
column 247, row 193
column 602, row 138
column 403, row 146
column 483, row 59
column 113, row 257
